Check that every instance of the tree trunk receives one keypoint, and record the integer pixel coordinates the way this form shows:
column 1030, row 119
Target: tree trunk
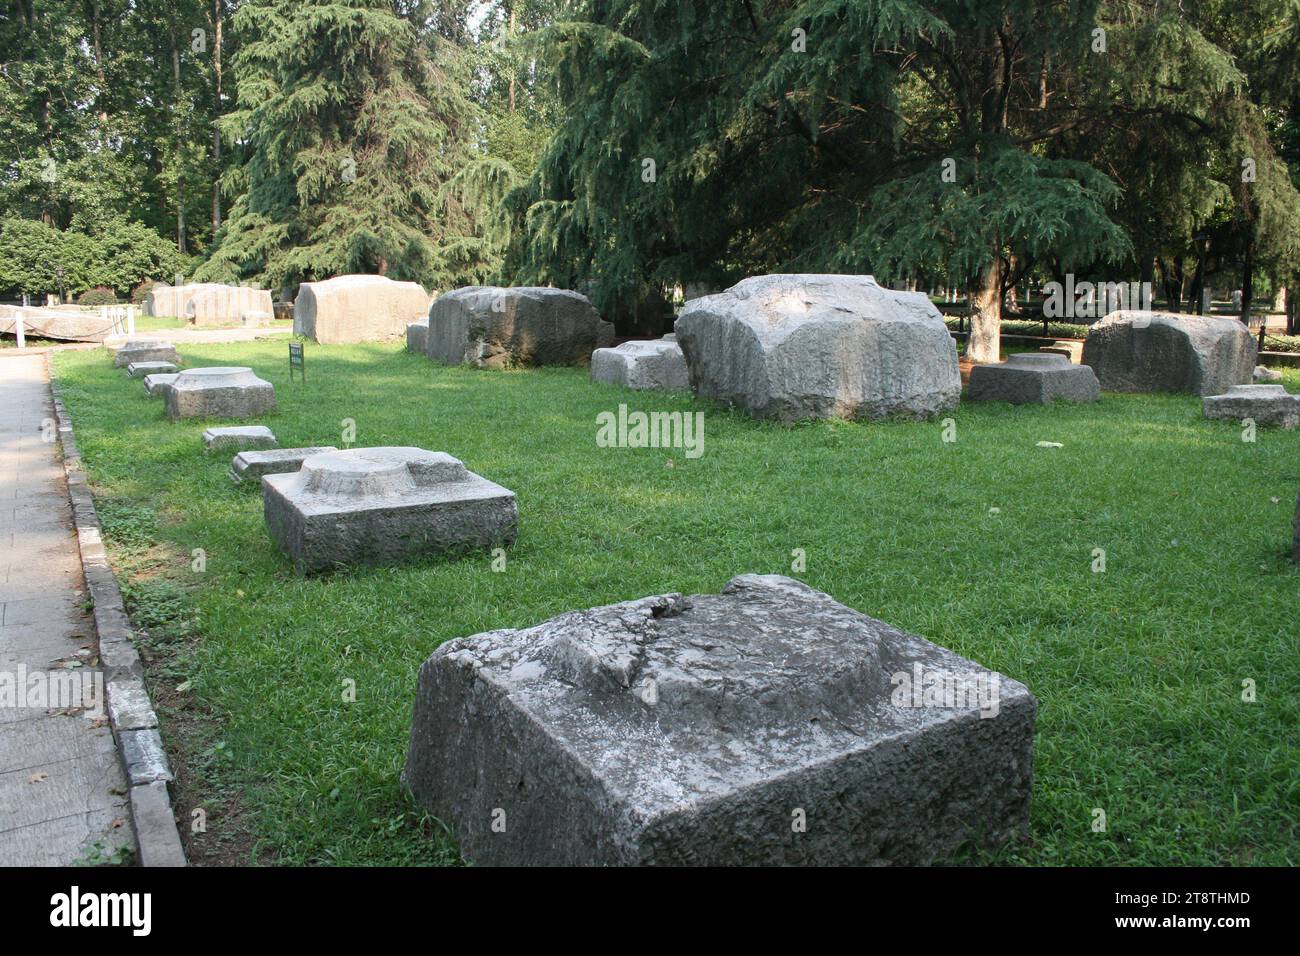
column 510, row 32
column 176, row 123
column 1292, row 316
column 1248, row 279
column 217, row 19
column 99, row 60
column 983, row 344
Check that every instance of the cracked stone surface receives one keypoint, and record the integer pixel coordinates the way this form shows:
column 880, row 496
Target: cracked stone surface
column 373, row 506
column 693, row 730
column 794, row 347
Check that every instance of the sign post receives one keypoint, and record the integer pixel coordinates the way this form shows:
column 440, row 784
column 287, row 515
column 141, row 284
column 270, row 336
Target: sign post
column 297, row 361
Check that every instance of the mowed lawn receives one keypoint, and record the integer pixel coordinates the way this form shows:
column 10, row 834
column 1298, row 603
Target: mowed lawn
column 985, row 545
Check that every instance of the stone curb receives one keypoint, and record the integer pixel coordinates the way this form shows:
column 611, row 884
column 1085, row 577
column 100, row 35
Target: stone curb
column 131, row 714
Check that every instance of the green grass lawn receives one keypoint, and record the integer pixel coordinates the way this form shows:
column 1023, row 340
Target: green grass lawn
column 984, row 545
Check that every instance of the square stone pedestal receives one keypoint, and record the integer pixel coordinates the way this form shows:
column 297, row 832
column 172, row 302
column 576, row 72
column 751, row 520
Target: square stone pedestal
column 219, row 392
column 1033, row 378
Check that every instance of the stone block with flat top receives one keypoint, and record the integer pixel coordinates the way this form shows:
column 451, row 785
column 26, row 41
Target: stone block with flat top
column 219, row 392
column 253, row 465
column 656, row 364
column 1033, row 378
column 768, row 724
column 496, row 327
column 417, row 337
column 155, row 385
column 141, row 369
column 239, row 438
column 1263, row 404
column 372, row 506
column 1140, row 351
column 145, row 350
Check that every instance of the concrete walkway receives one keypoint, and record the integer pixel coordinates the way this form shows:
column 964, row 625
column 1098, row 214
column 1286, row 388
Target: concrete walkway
column 62, row 791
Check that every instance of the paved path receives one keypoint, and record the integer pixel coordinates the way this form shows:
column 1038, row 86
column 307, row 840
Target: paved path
column 181, row 336
column 61, row 785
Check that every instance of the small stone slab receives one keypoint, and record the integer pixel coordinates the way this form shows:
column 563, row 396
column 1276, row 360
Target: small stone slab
column 1033, row 378
column 239, row 437
column 374, row 506
column 253, row 465
column 141, row 369
column 1264, row 376
column 657, row 364
column 417, row 337
column 254, row 319
column 219, row 392
column 1264, row 404
column 155, row 385
column 704, row 730
column 145, row 350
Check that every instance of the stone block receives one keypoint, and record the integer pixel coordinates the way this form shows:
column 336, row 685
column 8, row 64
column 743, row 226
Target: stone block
column 226, row 306
column 657, row 364
column 142, row 369
column 357, row 308
column 496, row 327
column 1264, row 404
column 136, row 351
column 255, row 319
column 1264, row 376
column 417, row 337
column 792, row 347
column 373, row 506
column 1141, row 351
column 1033, row 378
column 156, row 385
column 767, row 724
column 239, row 438
column 219, row 392
column 253, row 465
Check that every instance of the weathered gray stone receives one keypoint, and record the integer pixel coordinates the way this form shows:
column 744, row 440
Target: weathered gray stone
column 656, row 364
column 253, row 465
column 820, row 346
column 1069, row 348
column 238, row 437
column 219, row 392
column 136, row 351
column 1139, row 351
column 494, row 327
column 697, row 730
column 254, row 319
column 370, row 506
column 417, row 337
column 1263, row 404
column 1265, row 376
column 226, row 305
column 357, row 308
column 1033, row 378
column 155, row 385
column 143, row 369
column 283, row 311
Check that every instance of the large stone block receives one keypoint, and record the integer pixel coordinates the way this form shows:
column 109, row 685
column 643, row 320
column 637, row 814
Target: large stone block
column 254, row 465
column 417, row 337
column 370, row 506
column 143, row 369
column 227, row 305
column 1139, row 351
column 698, row 730
column 494, row 327
column 239, row 437
column 1033, row 378
column 1263, row 404
column 136, row 351
column 657, row 364
column 820, row 346
column 357, row 308
column 219, row 392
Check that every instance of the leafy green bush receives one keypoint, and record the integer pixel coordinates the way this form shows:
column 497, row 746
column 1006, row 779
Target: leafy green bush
column 37, row 258
column 1282, row 343
column 99, row 295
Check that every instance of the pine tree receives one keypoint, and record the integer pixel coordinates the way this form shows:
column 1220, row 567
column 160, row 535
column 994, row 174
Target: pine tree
column 351, row 118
